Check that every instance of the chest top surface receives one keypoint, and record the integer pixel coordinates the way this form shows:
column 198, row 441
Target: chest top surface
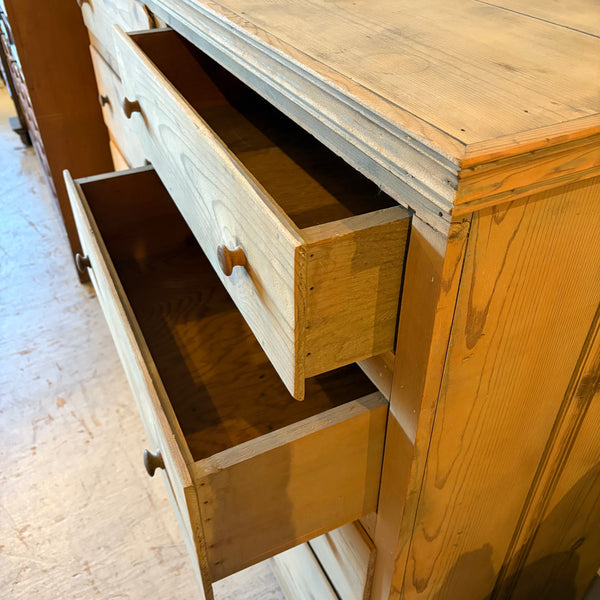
column 432, row 89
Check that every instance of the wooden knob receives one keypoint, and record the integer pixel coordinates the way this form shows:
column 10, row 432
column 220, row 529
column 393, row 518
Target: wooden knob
column 230, row 258
column 80, row 3
column 130, row 107
column 82, row 262
column 153, row 462
column 104, row 100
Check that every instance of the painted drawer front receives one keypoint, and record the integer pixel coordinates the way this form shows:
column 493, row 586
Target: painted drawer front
column 110, row 94
column 101, row 15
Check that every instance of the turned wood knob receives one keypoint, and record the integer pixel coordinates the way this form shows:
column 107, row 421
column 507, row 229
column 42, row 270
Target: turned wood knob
column 104, row 100
column 153, row 462
column 80, row 3
column 230, row 258
column 82, row 262
column 130, row 107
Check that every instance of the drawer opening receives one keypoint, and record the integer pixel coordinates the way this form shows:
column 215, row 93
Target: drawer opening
column 222, row 387
column 309, row 182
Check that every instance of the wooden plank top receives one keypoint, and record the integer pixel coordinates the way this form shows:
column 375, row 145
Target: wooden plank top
column 429, row 87
column 470, row 70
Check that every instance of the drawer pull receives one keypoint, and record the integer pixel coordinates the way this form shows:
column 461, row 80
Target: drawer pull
column 82, row 262
column 80, row 3
column 130, row 107
column 104, row 100
column 153, row 462
column 230, row 258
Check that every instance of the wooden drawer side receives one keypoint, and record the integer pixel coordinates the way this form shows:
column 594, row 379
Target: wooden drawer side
column 291, row 485
column 354, row 271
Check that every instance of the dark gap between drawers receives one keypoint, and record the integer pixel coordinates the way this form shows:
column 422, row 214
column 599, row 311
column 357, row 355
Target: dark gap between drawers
column 309, row 182
column 220, row 383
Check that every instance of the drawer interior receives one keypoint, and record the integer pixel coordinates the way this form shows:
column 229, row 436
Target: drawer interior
column 311, row 184
column 220, row 383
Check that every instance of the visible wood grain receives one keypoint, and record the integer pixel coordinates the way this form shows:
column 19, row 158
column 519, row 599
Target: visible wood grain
column 354, row 275
column 406, row 60
column 301, row 576
column 100, row 16
column 347, row 555
column 209, row 186
column 580, row 15
column 511, row 178
column 118, row 126
column 80, row 517
column 143, row 378
column 293, row 484
column 510, row 375
column 310, row 187
column 433, row 273
column 257, row 457
column 554, row 552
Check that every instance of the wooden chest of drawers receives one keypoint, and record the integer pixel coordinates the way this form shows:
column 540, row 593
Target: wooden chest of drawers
column 414, row 186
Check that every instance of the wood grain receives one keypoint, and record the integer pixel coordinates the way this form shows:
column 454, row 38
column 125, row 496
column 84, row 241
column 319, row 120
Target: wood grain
column 310, row 187
column 580, row 15
column 354, row 275
column 256, row 456
column 554, row 552
column 510, row 375
column 152, row 401
column 286, row 487
column 99, row 17
column 407, row 59
column 433, row 273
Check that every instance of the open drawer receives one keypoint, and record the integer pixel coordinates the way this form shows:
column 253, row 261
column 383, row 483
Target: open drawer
column 251, row 471
column 310, row 250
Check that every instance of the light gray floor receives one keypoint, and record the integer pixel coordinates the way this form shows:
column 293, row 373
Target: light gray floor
column 79, row 518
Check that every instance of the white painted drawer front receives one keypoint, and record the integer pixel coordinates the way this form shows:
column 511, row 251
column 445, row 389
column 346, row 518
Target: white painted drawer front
column 251, row 471
column 323, row 249
column 110, row 94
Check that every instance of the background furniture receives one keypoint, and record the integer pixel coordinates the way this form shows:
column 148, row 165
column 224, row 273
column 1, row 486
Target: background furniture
column 45, row 44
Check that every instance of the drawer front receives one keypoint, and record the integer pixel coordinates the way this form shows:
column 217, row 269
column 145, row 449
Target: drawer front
column 223, row 206
column 100, row 16
column 249, row 500
column 110, row 94
column 317, row 297
column 141, row 374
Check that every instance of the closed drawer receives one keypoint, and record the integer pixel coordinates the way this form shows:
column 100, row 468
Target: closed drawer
column 322, row 248
column 110, row 94
column 99, row 17
column 251, row 471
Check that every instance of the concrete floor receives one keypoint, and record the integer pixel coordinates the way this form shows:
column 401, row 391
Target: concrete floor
column 79, row 518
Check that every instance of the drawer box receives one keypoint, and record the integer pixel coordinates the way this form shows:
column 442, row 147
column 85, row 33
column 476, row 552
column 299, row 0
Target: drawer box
column 320, row 248
column 251, row 472
column 110, row 94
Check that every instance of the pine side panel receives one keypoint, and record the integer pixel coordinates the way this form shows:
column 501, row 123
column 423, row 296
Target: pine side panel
column 529, row 292
column 556, row 551
column 432, row 275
